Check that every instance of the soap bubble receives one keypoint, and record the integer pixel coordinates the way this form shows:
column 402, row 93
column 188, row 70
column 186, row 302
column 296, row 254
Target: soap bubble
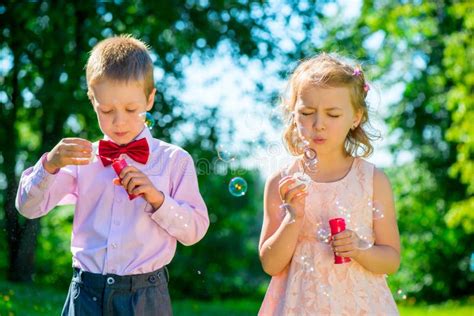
column 148, row 119
column 323, row 233
column 238, row 186
column 366, row 237
column 224, row 154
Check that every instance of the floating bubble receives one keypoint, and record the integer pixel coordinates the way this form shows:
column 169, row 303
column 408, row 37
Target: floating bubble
column 343, row 212
column 366, row 237
column 285, row 171
column 471, row 263
column 94, row 153
column 275, row 117
column 306, row 263
column 324, row 290
column 302, row 145
column 212, row 218
column 148, row 119
column 301, row 178
column 224, row 154
column 310, row 159
column 310, row 154
column 400, row 295
column 238, row 186
column 274, row 149
column 377, row 211
column 323, row 233
column 286, row 209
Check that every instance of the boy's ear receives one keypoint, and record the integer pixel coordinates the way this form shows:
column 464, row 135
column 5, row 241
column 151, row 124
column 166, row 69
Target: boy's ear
column 90, row 96
column 151, row 100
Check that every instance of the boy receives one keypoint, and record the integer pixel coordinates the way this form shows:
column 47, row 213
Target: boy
column 120, row 244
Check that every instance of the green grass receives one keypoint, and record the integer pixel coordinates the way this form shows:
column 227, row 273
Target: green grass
column 33, row 300
column 227, row 308
column 449, row 308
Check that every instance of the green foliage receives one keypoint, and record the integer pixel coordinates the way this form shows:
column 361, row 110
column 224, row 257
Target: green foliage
column 435, row 263
column 225, row 264
column 43, row 93
column 427, row 47
column 457, row 60
column 37, row 300
column 54, row 259
column 451, row 308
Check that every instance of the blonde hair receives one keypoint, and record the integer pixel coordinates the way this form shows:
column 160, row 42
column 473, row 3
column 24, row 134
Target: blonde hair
column 328, row 70
column 120, row 58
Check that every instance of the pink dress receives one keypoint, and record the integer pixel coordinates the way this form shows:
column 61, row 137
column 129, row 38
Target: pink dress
column 312, row 284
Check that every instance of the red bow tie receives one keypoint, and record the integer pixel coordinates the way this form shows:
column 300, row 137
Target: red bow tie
column 138, row 150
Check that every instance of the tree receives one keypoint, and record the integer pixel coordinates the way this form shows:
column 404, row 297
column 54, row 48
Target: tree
column 45, row 45
column 426, row 46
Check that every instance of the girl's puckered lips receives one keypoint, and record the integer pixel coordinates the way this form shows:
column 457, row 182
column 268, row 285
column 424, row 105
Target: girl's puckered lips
column 319, row 140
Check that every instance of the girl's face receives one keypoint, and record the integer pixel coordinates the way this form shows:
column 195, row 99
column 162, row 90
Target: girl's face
column 118, row 106
column 324, row 117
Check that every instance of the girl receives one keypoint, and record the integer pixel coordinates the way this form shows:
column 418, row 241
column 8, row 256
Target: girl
column 326, row 110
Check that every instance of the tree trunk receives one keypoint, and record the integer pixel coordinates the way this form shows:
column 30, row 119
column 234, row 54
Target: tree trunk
column 21, row 237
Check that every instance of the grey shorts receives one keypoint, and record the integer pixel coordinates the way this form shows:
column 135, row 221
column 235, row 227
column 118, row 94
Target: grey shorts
column 97, row 294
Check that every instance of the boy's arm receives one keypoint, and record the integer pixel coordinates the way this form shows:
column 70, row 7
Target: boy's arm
column 39, row 191
column 183, row 213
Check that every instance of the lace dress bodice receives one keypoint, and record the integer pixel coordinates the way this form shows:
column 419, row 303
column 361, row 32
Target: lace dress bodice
column 312, row 284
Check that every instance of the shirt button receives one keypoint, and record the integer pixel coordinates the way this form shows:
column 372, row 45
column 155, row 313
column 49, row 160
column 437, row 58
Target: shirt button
column 114, row 245
column 119, row 200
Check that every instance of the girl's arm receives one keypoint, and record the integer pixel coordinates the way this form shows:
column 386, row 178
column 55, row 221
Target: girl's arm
column 384, row 256
column 280, row 230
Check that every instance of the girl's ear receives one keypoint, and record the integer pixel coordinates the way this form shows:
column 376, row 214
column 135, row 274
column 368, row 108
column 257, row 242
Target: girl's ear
column 151, row 100
column 357, row 118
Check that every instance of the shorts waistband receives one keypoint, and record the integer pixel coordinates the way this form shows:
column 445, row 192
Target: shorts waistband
column 128, row 282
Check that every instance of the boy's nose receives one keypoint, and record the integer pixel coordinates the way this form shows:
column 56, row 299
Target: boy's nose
column 119, row 118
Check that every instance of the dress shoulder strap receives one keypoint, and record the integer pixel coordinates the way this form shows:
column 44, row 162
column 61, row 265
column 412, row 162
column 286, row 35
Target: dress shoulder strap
column 365, row 176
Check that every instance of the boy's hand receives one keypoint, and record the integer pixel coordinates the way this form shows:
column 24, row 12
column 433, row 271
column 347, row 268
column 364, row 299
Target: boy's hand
column 294, row 196
column 345, row 244
column 69, row 151
column 136, row 182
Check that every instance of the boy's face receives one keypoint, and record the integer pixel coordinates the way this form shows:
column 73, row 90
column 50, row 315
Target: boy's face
column 118, row 106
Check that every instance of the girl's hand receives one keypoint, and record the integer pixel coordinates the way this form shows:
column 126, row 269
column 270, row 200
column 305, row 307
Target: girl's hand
column 136, row 182
column 345, row 244
column 69, row 151
column 294, row 196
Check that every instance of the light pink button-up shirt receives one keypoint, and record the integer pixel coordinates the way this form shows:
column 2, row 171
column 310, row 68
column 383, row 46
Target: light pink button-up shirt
column 112, row 234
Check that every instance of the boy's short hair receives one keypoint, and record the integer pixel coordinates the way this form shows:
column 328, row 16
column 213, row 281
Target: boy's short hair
column 120, row 58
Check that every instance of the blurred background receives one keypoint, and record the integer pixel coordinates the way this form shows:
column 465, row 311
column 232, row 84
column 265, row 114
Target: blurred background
column 219, row 69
